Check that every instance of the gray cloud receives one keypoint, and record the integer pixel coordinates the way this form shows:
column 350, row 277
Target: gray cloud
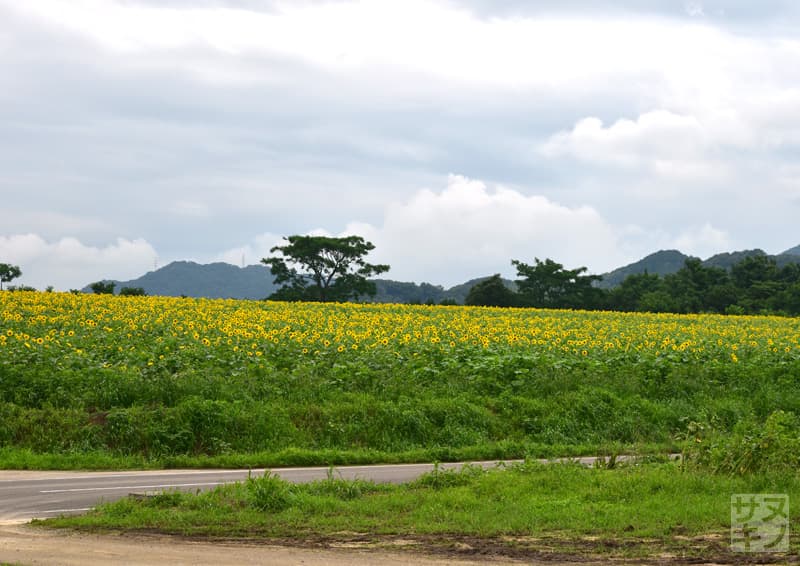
column 723, row 12
column 199, row 147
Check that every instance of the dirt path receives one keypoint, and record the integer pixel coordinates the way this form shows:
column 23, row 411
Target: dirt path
column 22, row 544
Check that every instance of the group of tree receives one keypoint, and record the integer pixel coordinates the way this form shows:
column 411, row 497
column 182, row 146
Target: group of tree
column 321, row 268
column 754, row 285
column 107, row 288
column 545, row 284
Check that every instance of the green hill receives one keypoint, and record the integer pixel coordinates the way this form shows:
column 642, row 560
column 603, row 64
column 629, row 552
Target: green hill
column 665, row 262
column 213, row 280
column 662, row 262
column 223, row 280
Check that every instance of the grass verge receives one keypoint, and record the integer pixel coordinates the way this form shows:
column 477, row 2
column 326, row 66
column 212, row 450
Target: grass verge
column 12, row 458
column 523, row 510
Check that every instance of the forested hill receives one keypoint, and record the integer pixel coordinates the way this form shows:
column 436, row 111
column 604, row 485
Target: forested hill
column 213, row 280
column 666, row 262
column 795, row 251
column 662, row 262
column 389, row 291
column 223, row 280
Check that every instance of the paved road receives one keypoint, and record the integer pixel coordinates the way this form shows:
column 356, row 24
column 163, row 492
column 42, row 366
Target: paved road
column 25, row 495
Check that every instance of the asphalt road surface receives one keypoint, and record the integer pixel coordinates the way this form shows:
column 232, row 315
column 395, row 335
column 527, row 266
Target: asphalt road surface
column 26, row 495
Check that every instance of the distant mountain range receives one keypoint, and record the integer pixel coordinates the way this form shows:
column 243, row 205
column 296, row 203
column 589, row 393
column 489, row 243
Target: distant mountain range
column 226, row 281
column 213, row 280
column 665, row 262
column 223, row 280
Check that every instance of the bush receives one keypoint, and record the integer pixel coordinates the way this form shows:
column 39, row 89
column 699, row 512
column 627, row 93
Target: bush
column 341, row 488
column 269, row 493
column 132, row 292
column 440, row 478
column 103, row 287
column 752, row 448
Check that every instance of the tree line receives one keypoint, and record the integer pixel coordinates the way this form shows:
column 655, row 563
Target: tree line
column 316, row 268
column 755, row 285
column 9, row 272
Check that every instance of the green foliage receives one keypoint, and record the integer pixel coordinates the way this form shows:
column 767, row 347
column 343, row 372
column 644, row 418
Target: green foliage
column 754, row 285
column 629, row 294
column 269, row 493
column 21, row 288
column 132, row 292
column 345, row 490
column 753, row 447
column 388, row 291
column 322, row 268
column 8, row 273
column 546, row 284
column 103, row 287
column 441, row 478
column 574, row 406
column 491, row 292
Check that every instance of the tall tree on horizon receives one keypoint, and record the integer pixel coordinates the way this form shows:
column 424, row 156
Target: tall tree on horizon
column 323, row 268
column 8, row 273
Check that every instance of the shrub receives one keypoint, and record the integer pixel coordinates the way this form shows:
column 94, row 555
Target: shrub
column 132, row 292
column 269, row 493
column 752, row 448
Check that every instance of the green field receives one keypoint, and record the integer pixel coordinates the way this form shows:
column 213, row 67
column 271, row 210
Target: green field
column 91, row 381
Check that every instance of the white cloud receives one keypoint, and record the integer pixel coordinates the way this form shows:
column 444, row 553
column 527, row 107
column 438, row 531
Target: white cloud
column 437, row 39
column 287, row 115
column 463, row 231
column 662, row 142
column 695, row 9
column 703, row 241
column 658, row 132
column 251, row 252
column 68, row 263
column 468, row 230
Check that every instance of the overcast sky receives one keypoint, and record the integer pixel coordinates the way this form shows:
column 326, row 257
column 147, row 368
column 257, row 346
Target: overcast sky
column 455, row 135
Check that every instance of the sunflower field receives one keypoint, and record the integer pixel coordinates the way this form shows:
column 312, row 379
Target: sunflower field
column 163, row 377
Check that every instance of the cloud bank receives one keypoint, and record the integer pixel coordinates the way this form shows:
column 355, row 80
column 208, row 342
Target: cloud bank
column 469, row 229
column 67, row 263
column 196, row 125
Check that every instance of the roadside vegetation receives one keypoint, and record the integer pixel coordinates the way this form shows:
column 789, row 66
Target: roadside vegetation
column 645, row 509
column 95, row 381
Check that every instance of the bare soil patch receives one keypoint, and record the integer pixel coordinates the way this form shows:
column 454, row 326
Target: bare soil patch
column 24, row 544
